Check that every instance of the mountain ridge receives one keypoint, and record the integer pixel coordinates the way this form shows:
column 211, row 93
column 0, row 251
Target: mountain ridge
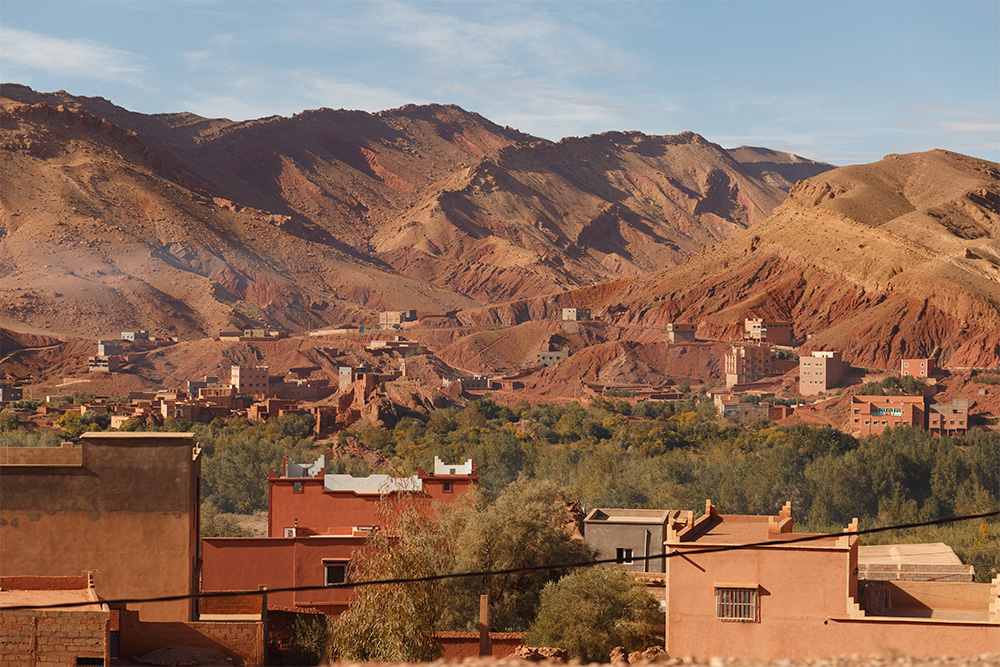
column 323, row 217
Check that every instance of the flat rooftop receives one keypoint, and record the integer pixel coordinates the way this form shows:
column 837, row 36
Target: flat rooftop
column 12, row 598
column 932, row 553
column 612, row 515
column 747, row 529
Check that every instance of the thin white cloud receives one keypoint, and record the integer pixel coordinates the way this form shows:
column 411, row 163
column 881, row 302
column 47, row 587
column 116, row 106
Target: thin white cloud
column 219, row 48
column 84, row 58
column 509, row 39
column 263, row 93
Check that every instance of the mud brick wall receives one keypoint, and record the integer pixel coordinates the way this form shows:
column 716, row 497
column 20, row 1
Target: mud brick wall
column 241, row 640
column 36, row 637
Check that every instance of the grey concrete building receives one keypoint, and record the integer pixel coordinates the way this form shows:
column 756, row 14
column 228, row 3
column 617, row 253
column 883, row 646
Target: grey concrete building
column 628, row 536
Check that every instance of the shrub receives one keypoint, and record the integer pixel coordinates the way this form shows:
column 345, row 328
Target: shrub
column 592, row 610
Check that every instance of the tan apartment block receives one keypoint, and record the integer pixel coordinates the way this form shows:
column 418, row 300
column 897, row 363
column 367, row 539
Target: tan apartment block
column 819, row 372
column 747, row 362
column 252, row 380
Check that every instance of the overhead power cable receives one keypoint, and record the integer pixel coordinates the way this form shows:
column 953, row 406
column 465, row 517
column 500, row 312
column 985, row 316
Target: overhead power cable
column 513, row 570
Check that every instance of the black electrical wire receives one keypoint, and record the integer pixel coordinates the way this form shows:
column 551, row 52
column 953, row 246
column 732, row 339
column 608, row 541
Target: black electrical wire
column 513, row 570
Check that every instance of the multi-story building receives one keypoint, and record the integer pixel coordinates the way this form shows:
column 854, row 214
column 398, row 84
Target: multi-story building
column 9, row 393
column 122, row 505
column 102, row 364
column 631, row 536
column 819, row 372
column 920, row 368
column 680, row 332
column 135, row 335
column 316, row 524
column 788, row 600
column 395, row 318
column 950, row 419
column 251, row 380
column 775, row 332
column 348, row 375
column 747, row 362
column 871, row 415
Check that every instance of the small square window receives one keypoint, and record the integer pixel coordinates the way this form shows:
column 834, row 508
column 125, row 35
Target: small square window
column 447, row 487
column 297, row 487
column 624, row 556
column 334, row 572
column 736, row 604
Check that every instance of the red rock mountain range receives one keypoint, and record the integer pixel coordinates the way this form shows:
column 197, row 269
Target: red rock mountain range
column 113, row 220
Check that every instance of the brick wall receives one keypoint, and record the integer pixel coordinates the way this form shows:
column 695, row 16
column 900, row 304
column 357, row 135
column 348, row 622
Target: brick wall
column 241, row 640
column 457, row 646
column 238, row 604
column 37, row 637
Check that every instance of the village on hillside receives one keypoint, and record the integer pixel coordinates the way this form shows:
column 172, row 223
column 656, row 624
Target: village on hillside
column 358, row 375
column 320, row 525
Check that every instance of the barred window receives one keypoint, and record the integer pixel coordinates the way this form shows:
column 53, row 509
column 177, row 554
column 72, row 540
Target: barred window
column 334, row 572
column 736, row 604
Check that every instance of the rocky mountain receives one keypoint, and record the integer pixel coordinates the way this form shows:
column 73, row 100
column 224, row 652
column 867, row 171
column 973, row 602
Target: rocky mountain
column 899, row 258
column 111, row 219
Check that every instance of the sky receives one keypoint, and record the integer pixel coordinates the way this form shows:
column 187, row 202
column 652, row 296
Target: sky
column 834, row 80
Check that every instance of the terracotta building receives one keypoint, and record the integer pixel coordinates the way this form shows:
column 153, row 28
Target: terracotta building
column 789, row 600
column 952, row 419
column 774, row 332
column 316, row 523
column 395, row 318
column 871, row 415
column 122, row 505
column 819, row 372
column 920, row 368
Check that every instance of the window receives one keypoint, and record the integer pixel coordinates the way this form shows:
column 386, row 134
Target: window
column 335, row 572
column 624, row 556
column 736, row 604
column 297, row 487
column 446, row 487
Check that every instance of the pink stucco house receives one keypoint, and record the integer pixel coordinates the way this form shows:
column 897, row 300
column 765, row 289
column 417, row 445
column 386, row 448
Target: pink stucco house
column 804, row 600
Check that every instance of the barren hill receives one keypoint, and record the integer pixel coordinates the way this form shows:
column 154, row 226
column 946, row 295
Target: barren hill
column 896, row 258
column 111, row 219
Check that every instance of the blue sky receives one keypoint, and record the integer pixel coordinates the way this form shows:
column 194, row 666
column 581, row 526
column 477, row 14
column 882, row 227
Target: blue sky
column 840, row 81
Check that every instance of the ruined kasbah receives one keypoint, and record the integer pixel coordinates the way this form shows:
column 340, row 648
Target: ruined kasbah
column 165, row 567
